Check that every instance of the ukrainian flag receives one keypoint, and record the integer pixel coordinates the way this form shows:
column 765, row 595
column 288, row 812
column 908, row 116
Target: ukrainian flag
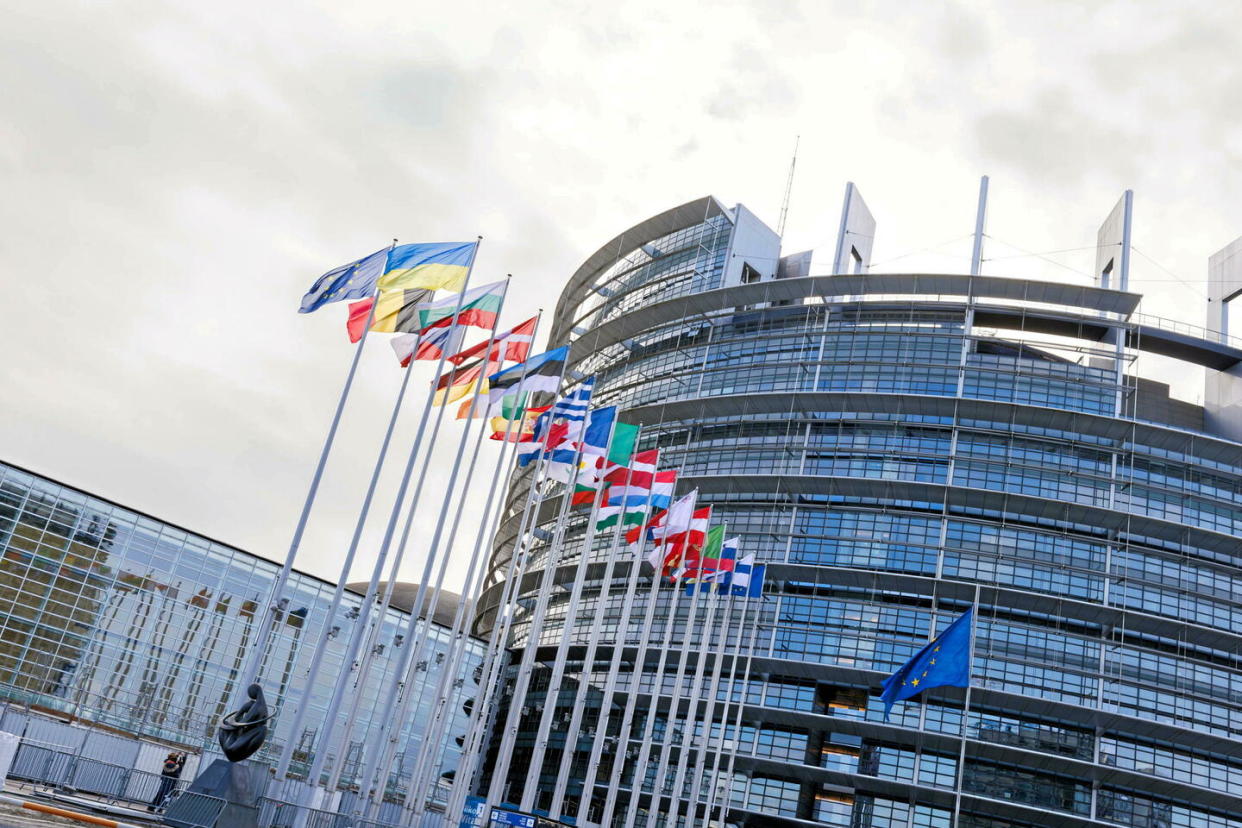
column 432, row 266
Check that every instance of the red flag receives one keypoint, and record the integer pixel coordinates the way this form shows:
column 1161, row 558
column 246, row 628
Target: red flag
column 358, row 314
column 513, row 345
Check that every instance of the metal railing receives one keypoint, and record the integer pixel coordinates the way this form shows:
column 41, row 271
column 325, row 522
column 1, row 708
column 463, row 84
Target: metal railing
column 194, row 810
column 274, row 813
column 60, row 770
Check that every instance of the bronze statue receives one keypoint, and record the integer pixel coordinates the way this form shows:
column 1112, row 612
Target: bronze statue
column 242, row 733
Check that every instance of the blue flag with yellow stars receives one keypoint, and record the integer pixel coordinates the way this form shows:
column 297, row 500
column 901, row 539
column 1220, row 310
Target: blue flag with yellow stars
column 943, row 663
column 355, row 280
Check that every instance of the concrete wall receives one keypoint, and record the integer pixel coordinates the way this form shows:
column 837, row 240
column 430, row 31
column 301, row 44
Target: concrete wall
column 754, row 244
column 1222, row 394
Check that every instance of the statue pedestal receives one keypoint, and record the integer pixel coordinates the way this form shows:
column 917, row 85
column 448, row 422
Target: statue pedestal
column 238, row 784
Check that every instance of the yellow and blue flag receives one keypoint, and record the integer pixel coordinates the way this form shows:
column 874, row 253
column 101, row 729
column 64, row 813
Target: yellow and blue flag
column 355, row 280
column 431, row 265
column 943, row 663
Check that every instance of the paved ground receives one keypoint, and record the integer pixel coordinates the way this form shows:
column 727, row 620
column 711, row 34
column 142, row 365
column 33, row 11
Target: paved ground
column 14, row 817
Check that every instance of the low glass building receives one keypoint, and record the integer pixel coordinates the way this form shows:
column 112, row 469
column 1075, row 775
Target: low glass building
column 895, row 445
column 118, row 619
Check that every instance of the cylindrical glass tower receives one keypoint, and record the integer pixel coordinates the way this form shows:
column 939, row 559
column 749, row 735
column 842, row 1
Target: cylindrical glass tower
column 898, row 446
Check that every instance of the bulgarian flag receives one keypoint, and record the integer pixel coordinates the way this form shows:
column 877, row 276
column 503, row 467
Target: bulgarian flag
column 479, row 307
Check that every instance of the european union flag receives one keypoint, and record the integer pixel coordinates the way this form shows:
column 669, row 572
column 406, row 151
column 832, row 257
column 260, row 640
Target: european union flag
column 943, row 663
column 355, row 280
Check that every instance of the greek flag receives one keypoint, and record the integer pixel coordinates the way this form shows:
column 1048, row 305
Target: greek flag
column 573, row 406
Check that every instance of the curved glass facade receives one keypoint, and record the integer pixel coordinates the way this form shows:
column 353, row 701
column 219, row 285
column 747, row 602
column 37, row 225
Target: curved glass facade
column 891, row 457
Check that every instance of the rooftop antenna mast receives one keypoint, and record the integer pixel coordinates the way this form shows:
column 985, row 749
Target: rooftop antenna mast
column 780, row 228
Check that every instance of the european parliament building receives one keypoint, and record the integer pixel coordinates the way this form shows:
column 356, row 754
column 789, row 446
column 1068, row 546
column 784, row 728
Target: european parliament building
column 898, row 446
column 137, row 628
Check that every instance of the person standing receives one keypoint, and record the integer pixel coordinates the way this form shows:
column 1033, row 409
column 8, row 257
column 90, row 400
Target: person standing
column 173, row 763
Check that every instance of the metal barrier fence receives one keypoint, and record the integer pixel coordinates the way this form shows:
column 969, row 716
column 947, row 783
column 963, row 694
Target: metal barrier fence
column 276, row 814
column 50, row 768
column 194, row 810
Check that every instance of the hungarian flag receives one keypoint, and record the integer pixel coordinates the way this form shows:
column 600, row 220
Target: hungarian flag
column 396, row 311
column 513, row 345
column 630, row 504
column 431, row 345
column 479, row 308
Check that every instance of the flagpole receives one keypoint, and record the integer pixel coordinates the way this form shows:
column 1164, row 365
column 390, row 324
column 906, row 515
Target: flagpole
column 527, row 664
column 741, row 702
column 674, row 709
column 324, row 739
column 961, row 754
column 640, row 663
column 696, row 687
column 636, row 688
column 505, row 612
column 434, row 549
column 458, row 636
column 299, row 716
column 493, row 660
column 580, row 697
column 422, row 777
column 734, row 675
column 552, row 697
column 250, row 671
column 618, row 650
column 709, row 713
column 364, row 664
column 465, row 617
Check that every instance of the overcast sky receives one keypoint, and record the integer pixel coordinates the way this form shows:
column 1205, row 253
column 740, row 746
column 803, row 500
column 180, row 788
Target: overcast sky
column 175, row 175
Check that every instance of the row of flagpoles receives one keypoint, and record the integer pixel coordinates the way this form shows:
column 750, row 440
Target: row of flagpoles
column 577, row 456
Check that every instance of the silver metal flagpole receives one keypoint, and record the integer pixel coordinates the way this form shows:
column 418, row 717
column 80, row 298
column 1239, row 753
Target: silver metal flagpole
column 640, row 766
column 324, row 739
column 267, row 625
column 696, row 688
column 671, row 734
column 578, row 706
column 562, row 649
column 527, row 665
column 429, row 747
column 490, row 667
column 505, row 612
column 735, row 675
column 961, row 754
column 368, row 653
column 465, row 617
column 700, row 753
column 635, row 683
column 422, row 780
column 741, row 703
column 457, row 637
column 617, row 656
column 299, row 716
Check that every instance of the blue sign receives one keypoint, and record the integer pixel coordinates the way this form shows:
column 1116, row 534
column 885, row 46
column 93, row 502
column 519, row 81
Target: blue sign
column 501, row 817
column 472, row 813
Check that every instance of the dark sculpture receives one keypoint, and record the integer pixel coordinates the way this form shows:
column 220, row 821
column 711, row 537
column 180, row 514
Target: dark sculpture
column 242, row 733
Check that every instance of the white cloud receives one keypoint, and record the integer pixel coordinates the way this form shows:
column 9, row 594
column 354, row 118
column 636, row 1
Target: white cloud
column 177, row 174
